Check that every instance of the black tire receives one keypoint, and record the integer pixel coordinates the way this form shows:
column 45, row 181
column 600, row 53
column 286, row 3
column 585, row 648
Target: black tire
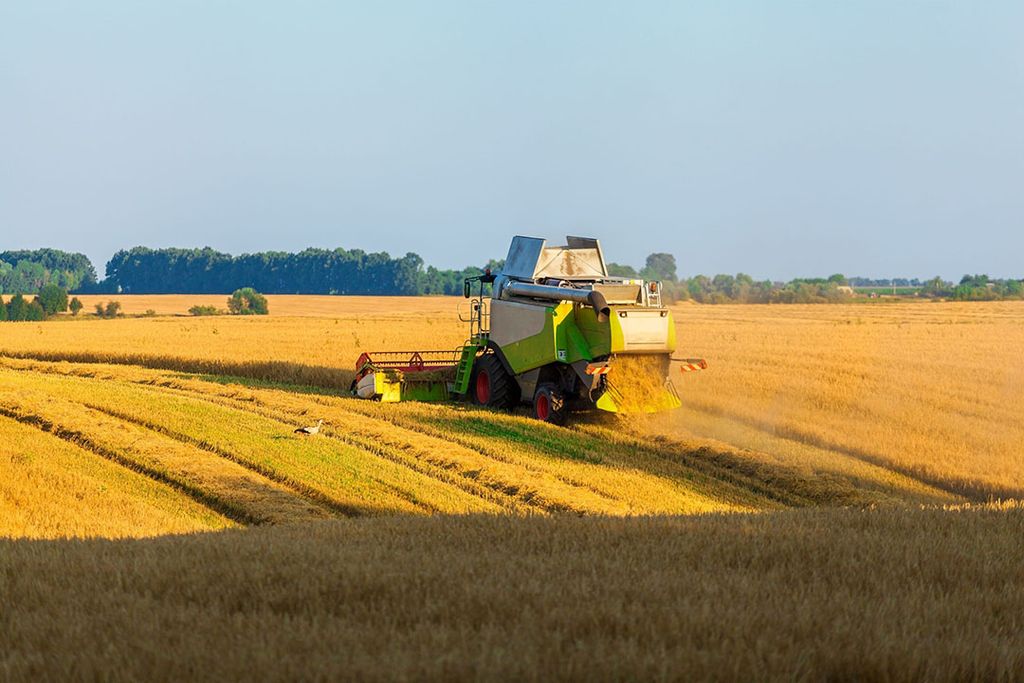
column 549, row 404
column 491, row 384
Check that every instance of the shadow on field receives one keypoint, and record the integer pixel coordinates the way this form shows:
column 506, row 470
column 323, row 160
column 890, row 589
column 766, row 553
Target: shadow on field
column 825, row 594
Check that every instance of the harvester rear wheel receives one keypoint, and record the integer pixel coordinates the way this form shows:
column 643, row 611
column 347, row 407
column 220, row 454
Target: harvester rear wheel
column 492, row 386
column 549, row 404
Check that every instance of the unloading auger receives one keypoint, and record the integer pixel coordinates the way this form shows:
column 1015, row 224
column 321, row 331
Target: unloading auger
column 556, row 332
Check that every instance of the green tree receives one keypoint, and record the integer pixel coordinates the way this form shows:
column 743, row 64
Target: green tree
column 725, row 285
column 743, row 288
column 247, row 301
column 26, row 276
column 3, row 310
column 17, row 309
column 936, row 287
column 700, row 288
column 199, row 309
column 618, row 270
column 660, row 266
column 75, row 305
column 53, row 298
column 34, row 311
column 111, row 309
column 67, row 270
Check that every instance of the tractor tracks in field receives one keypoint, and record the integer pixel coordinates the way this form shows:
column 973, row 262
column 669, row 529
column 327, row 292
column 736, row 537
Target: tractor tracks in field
column 722, row 481
column 290, row 423
column 410, row 426
column 420, row 462
column 402, row 453
column 709, row 478
column 961, row 488
column 297, row 487
column 468, row 462
column 214, row 503
column 721, row 466
column 435, row 456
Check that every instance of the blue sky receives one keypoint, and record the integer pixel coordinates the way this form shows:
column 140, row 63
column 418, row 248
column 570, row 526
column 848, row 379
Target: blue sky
column 775, row 138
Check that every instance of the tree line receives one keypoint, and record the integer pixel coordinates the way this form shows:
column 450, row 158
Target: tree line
column 312, row 271
column 742, row 288
column 29, row 271
column 142, row 270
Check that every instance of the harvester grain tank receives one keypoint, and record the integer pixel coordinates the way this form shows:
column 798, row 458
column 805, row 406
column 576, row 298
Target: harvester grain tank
column 556, row 332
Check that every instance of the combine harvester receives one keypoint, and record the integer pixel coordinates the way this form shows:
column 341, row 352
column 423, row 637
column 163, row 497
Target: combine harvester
column 556, row 331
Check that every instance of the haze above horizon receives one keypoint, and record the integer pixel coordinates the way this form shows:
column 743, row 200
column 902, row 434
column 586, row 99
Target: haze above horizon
column 792, row 139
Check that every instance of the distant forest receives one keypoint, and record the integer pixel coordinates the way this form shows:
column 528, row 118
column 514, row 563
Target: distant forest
column 312, row 271
column 141, row 270
column 26, row 272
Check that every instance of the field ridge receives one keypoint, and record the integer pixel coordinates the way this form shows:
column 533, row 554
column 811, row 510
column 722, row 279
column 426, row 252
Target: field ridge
column 313, row 496
column 201, row 496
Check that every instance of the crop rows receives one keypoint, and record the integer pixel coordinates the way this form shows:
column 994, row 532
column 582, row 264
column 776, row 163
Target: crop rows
column 230, row 447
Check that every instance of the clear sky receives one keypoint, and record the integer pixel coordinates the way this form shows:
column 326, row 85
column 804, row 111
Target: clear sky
column 776, row 138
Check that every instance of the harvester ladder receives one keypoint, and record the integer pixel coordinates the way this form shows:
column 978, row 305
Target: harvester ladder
column 478, row 316
column 465, row 368
column 654, row 294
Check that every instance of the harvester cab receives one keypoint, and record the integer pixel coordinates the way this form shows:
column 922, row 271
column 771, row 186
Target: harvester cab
column 556, row 332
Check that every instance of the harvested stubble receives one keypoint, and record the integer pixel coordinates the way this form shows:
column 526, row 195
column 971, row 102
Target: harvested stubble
column 237, row 449
column 928, row 391
column 415, row 450
column 50, row 488
column 220, row 483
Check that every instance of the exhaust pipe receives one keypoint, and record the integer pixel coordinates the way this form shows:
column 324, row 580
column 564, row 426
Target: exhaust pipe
column 590, row 297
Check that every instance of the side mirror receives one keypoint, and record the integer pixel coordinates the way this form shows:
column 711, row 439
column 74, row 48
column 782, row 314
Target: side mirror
column 465, row 289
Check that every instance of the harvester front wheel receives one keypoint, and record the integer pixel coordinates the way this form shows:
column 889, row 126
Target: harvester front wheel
column 549, row 404
column 492, row 385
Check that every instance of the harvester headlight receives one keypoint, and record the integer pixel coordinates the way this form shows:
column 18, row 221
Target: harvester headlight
column 622, row 314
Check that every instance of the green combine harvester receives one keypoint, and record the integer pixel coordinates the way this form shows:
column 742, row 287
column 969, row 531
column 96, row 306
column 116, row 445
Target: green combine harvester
column 556, row 331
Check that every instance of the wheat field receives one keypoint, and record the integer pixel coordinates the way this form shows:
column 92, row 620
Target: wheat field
column 799, row 595
column 931, row 391
column 826, row 502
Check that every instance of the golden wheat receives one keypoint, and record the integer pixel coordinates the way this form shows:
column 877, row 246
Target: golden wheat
column 929, row 390
column 510, row 465
column 51, row 488
column 893, row 595
column 143, row 426
column 894, row 396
